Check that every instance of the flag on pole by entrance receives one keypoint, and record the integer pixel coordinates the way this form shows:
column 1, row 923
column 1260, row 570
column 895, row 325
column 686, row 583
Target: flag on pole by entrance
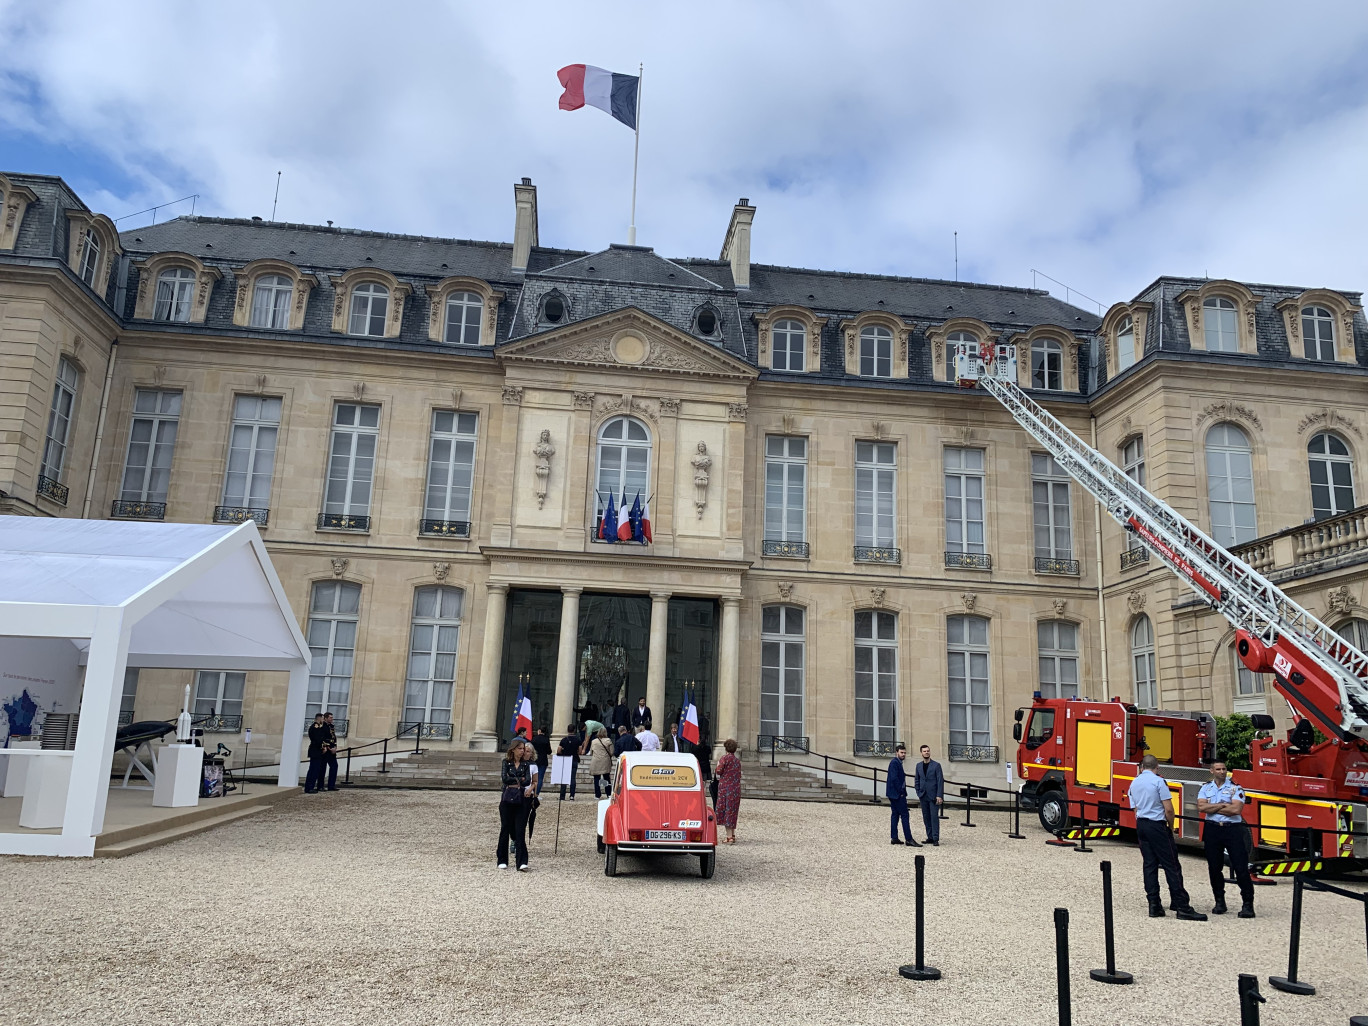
column 522, row 714
column 608, row 91
column 608, row 527
column 688, row 722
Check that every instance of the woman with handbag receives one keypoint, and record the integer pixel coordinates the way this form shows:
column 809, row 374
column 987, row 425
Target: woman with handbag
column 514, row 806
column 726, row 804
column 601, row 763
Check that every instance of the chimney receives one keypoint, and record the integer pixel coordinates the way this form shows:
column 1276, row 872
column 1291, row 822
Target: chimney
column 736, row 246
column 524, row 223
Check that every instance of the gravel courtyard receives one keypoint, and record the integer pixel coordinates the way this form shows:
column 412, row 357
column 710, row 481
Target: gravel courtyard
column 385, row 907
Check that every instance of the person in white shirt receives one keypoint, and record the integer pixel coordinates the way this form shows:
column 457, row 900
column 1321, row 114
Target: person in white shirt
column 648, row 739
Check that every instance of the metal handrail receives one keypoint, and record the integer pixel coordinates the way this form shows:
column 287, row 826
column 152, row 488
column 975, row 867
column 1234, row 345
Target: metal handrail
column 412, row 728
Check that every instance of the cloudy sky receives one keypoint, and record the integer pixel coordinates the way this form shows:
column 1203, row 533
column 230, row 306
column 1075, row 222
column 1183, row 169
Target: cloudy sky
column 1100, row 143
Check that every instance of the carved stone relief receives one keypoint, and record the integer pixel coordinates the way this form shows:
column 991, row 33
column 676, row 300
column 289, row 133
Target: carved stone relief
column 543, row 450
column 1225, row 409
column 785, row 590
column 1059, row 606
column 1340, row 600
column 440, row 570
column 1135, row 602
column 669, row 407
column 736, row 411
column 876, row 596
column 512, row 395
column 970, row 600
column 339, row 565
column 583, row 400
column 702, row 464
column 1327, row 418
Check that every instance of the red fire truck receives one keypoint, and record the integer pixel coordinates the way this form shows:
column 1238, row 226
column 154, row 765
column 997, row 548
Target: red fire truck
column 1306, row 798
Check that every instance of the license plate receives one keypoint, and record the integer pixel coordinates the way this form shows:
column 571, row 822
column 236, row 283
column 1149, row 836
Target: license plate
column 664, row 835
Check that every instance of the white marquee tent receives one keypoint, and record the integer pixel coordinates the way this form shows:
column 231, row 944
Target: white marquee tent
column 193, row 596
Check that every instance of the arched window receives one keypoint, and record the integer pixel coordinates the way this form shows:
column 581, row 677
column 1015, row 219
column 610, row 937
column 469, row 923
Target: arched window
column 1219, row 326
column 1057, row 649
column 1133, row 466
column 970, row 700
column 1332, row 476
column 781, row 671
column 951, row 341
column 369, row 307
column 1125, row 343
column 271, row 301
column 1047, row 364
column 432, row 655
column 624, row 461
column 789, row 341
column 1355, row 632
column 876, row 352
column 1318, row 333
column 334, row 608
column 1249, row 687
column 464, row 312
column 1230, row 485
column 876, row 677
column 1142, row 658
column 90, row 257
column 175, row 290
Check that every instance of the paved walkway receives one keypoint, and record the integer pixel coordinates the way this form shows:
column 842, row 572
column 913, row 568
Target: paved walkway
column 385, row 907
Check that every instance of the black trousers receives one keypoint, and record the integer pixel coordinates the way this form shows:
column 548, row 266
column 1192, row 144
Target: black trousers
column 513, row 826
column 574, row 778
column 1158, row 849
column 331, row 759
column 1219, row 838
column 899, row 812
column 930, row 817
column 313, row 780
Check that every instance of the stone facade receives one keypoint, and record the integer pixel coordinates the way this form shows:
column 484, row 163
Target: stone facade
column 572, row 341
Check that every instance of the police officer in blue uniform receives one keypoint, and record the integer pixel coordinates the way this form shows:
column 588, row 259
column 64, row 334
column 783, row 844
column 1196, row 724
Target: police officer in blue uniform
column 1153, row 804
column 1221, row 801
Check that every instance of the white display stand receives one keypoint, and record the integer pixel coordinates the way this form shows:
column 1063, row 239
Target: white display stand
column 16, row 769
column 45, row 790
column 180, row 768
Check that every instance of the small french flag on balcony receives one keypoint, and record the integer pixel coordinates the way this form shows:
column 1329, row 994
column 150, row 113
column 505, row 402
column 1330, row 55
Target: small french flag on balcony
column 610, row 92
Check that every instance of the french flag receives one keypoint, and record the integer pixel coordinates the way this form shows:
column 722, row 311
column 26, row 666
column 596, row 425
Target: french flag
column 688, row 722
column 610, row 92
column 522, row 715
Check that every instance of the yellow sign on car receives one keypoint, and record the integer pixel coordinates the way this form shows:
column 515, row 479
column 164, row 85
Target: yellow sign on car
column 664, row 776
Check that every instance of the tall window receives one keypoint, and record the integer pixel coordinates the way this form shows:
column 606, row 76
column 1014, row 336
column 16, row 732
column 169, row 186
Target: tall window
column 175, row 291
column 1332, row 476
column 90, row 257
column 333, row 609
column 781, row 671
column 1318, row 333
column 1230, row 485
column 369, row 307
column 451, row 466
column 59, row 421
column 789, row 341
column 351, row 459
column 1219, row 325
column 1248, row 684
column 624, row 461
column 464, row 311
column 432, row 654
column 876, row 352
column 251, row 452
column 1057, row 648
column 1050, row 508
column 964, row 500
column 952, row 340
column 1142, row 659
column 876, row 479
column 876, row 676
column 219, row 692
column 1355, row 632
column 271, row 301
column 785, row 488
column 1133, row 466
column 1125, row 343
column 1047, row 364
column 151, row 442
column 970, row 703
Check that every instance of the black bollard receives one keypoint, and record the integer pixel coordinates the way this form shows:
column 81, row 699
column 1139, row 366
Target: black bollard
column 1289, row 984
column 1061, row 917
column 968, row 805
column 1109, row 974
column 920, row 971
column 1083, row 829
column 1016, row 833
column 1250, row 1000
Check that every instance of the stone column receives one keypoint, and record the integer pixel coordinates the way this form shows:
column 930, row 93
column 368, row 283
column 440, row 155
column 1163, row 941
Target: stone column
column 655, row 660
column 728, row 684
column 563, row 707
column 484, row 738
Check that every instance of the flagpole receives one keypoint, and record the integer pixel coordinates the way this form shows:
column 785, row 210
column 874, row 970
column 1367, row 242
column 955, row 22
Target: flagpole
column 636, row 151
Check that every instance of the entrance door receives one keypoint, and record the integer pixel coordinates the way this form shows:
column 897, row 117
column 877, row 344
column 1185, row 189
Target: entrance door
column 614, row 635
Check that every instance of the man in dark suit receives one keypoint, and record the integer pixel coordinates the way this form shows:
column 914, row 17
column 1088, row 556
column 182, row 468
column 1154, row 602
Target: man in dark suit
column 622, row 717
column 674, row 743
column 930, row 785
column 641, row 715
column 896, row 790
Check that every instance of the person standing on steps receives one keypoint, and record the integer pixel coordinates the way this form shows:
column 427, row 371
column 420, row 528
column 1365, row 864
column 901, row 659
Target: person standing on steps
column 1152, row 801
column 330, row 754
column 641, row 715
column 930, row 786
column 318, row 760
column 541, row 744
column 571, row 746
column 1221, row 801
column 896, row 790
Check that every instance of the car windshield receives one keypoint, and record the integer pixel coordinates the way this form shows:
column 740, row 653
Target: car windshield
column 679, row 778
column 1041, row 728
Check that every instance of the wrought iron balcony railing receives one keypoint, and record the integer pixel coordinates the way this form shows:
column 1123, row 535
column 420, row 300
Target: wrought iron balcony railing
column 875, row 747
column 1059, row 567
column 130, row 510
column 787, row 549
column 125, row 717
column 445, row 528
column 241, row 514
column 969, row 560
column 426, row 731
column 1131, row 558
column 782, row 743
column 51, row 488
column 340, row 727
column 343, row 522
column 878, row 554
column 973, row 753
column 218, row 724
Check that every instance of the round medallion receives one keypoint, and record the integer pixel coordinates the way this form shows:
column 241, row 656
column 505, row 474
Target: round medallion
column 629, row 349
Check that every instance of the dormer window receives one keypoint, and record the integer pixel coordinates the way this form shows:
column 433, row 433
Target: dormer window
column 369, row 308
column 790, row 342
column 1220, row 329
column 876, row 352
column 952, row 342
column 1318, row 333
column 271, row 302
column 90, row 257
column 1047, row 364
column 1125, row 343
column 554, row 310
column 706, row 322
column 464, row 311
column 175, row 291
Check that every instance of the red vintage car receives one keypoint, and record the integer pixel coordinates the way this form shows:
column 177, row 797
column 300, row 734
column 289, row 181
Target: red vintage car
column 658, row 807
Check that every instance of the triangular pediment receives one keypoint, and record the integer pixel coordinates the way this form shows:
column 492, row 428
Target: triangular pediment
column 628, row 339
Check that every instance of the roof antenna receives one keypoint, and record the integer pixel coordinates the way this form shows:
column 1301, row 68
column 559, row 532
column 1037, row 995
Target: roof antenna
column 956, row 256
column 275, row 201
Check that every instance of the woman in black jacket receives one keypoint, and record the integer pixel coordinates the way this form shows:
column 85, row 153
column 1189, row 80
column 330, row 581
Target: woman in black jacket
column 515, row 801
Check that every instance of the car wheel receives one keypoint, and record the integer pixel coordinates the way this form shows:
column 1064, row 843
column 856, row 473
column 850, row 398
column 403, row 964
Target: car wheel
column 706, row 864
column 1053, row 810
column 610, row 863
column 600, row 844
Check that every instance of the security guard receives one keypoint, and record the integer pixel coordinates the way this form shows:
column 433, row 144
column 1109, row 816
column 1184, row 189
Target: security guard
column 1221, row 801
column 1153, row 805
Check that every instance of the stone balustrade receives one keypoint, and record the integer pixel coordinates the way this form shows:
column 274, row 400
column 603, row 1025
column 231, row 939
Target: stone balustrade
column 1304, row 549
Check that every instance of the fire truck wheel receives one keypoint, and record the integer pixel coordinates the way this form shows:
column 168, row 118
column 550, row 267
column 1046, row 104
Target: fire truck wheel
column 1054, row 811
column 610, row 863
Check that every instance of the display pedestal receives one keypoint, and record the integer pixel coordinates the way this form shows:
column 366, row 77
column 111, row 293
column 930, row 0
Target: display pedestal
column 45, row 790
column 15, row 770
column 179, row 771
